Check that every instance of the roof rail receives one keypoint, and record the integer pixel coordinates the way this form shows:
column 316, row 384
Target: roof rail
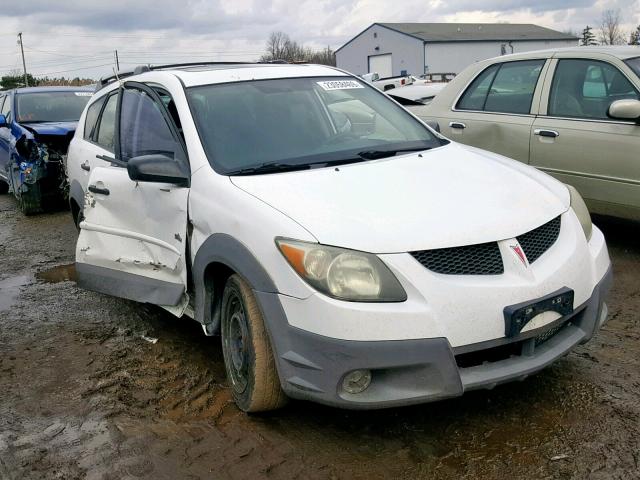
column 104, row 81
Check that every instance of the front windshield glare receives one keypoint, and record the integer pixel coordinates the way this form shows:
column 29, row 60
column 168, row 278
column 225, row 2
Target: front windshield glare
column 51, row 106
column 300, row 121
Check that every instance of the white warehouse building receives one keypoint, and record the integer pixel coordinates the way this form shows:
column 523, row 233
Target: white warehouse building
column 392, row 49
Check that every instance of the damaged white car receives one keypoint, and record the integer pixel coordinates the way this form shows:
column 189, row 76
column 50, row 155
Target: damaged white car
column 346, row 253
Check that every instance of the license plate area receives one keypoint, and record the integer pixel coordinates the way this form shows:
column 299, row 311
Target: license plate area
column 517, row 316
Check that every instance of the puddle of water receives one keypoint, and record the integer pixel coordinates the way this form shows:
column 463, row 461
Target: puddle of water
column 9, row 290
column 61, row 273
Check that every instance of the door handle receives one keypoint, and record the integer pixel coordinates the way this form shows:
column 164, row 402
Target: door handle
column 457, row 125
column 546, row 133
column 99, row 190
column 85, row 166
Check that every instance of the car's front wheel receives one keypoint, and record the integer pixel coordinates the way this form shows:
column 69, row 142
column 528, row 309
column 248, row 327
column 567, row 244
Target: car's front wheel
column 248, row 357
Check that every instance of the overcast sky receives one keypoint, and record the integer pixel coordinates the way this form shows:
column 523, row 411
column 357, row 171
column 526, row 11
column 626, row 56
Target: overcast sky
column 77, row 37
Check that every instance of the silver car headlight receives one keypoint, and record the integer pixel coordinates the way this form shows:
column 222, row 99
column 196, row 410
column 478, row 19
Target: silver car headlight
column 581, row 211
column 341, row 273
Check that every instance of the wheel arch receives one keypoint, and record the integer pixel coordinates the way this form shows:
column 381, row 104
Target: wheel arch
column 218, row 257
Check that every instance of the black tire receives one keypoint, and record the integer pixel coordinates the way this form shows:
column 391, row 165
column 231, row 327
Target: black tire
column 30, row 201
column 248, row 358
column 4, row 187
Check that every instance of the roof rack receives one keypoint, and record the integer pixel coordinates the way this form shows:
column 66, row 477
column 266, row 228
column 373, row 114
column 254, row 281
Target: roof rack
column 107, row 80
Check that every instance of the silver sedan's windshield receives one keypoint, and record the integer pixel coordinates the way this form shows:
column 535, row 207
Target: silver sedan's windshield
column 298, row 122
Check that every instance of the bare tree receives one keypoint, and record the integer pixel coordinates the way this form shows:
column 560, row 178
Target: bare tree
column 610, row 31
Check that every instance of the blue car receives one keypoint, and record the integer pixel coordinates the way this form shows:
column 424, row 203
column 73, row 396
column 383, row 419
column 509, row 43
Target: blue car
column 36, row 127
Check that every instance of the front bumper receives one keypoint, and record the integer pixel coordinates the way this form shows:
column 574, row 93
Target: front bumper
column 404, row 372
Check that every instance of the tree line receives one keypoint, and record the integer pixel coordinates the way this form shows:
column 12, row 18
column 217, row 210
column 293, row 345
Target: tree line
column 16, row 80
column 609, row 32
column 281, row 47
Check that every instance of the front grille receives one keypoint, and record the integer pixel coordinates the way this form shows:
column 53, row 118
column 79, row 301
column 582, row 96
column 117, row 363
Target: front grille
column 485, row 258
column 480, row 259
column 539, row 240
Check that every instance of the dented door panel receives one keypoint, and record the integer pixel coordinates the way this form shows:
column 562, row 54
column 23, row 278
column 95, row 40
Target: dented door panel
column 148, row 241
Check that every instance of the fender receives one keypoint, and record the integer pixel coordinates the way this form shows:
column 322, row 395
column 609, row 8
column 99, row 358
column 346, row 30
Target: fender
column 223, row 249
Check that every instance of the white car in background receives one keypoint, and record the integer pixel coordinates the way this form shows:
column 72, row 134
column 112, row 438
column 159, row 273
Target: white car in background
column 349, row 256
column 415, row 95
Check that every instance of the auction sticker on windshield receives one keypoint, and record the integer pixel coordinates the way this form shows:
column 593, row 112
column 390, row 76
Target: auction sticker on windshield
column 340, row 84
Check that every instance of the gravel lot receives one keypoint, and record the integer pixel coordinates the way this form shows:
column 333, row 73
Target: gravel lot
column 83, row 395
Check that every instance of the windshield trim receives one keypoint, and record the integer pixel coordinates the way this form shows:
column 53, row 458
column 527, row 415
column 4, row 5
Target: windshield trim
column 441, row 141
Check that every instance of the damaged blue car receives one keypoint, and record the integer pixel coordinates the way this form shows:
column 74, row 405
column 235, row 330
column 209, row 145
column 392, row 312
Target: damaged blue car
column 36, row 127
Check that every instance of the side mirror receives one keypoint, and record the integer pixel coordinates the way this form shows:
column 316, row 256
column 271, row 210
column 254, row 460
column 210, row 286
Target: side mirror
column 159, row 168
column 3, row 121
column 625, row 110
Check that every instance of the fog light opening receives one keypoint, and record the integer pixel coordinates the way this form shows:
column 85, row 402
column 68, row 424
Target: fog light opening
column 356, row 381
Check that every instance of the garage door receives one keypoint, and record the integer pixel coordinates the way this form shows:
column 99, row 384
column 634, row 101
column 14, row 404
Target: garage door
column 381, row 64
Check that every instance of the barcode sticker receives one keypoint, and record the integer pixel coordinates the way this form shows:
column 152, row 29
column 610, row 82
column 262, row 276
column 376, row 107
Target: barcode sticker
column 83, row 94
column 340, row 84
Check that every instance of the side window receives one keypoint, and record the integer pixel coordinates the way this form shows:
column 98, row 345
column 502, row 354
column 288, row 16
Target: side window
column 586, row 88
column 91, row 118
column 476, row 94
column 105, row 136
column 143, row 128
column 504, row 88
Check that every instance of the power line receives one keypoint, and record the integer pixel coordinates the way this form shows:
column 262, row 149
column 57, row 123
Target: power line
column 72, row 70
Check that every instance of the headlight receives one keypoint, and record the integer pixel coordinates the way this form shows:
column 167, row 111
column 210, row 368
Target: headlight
column 341, row 273
column 581, row 211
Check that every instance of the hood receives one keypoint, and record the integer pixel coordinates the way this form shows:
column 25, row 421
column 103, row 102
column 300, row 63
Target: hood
column 51, row 128
column 450, row 196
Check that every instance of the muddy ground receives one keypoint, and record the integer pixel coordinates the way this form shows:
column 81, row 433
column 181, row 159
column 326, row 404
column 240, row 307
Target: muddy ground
column 84, row 395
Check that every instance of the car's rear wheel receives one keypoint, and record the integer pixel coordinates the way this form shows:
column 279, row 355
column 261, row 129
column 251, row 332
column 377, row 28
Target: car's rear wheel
column 248, row 358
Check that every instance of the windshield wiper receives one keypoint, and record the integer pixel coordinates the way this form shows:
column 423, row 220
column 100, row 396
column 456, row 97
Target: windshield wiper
column 376, row 154
column 270, row 167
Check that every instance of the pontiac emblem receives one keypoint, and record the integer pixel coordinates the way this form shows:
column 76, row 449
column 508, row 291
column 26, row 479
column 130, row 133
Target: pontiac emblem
column 517, row 249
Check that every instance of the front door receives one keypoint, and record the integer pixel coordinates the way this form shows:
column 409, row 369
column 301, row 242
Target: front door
column 574, row 140
column 133, row 237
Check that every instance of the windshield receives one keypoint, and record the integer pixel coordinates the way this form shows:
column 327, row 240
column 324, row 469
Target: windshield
column 51, row 106
column 300, row 121
column 634, row 63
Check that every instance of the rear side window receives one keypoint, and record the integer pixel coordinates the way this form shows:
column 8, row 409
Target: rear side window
column 586, row 89
column 503, row 88
column 91, row 118
column 105, row 136
column 143, row 128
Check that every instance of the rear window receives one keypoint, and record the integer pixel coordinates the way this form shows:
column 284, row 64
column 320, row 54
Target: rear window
column 63, row 106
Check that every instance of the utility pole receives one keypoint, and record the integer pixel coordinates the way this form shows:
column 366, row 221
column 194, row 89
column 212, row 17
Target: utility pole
column 117, row 61
column 24, row 65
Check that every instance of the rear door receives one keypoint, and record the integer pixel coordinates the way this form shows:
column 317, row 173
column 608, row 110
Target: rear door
column 132, row 241
column 574, row 140
column 496, row 110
